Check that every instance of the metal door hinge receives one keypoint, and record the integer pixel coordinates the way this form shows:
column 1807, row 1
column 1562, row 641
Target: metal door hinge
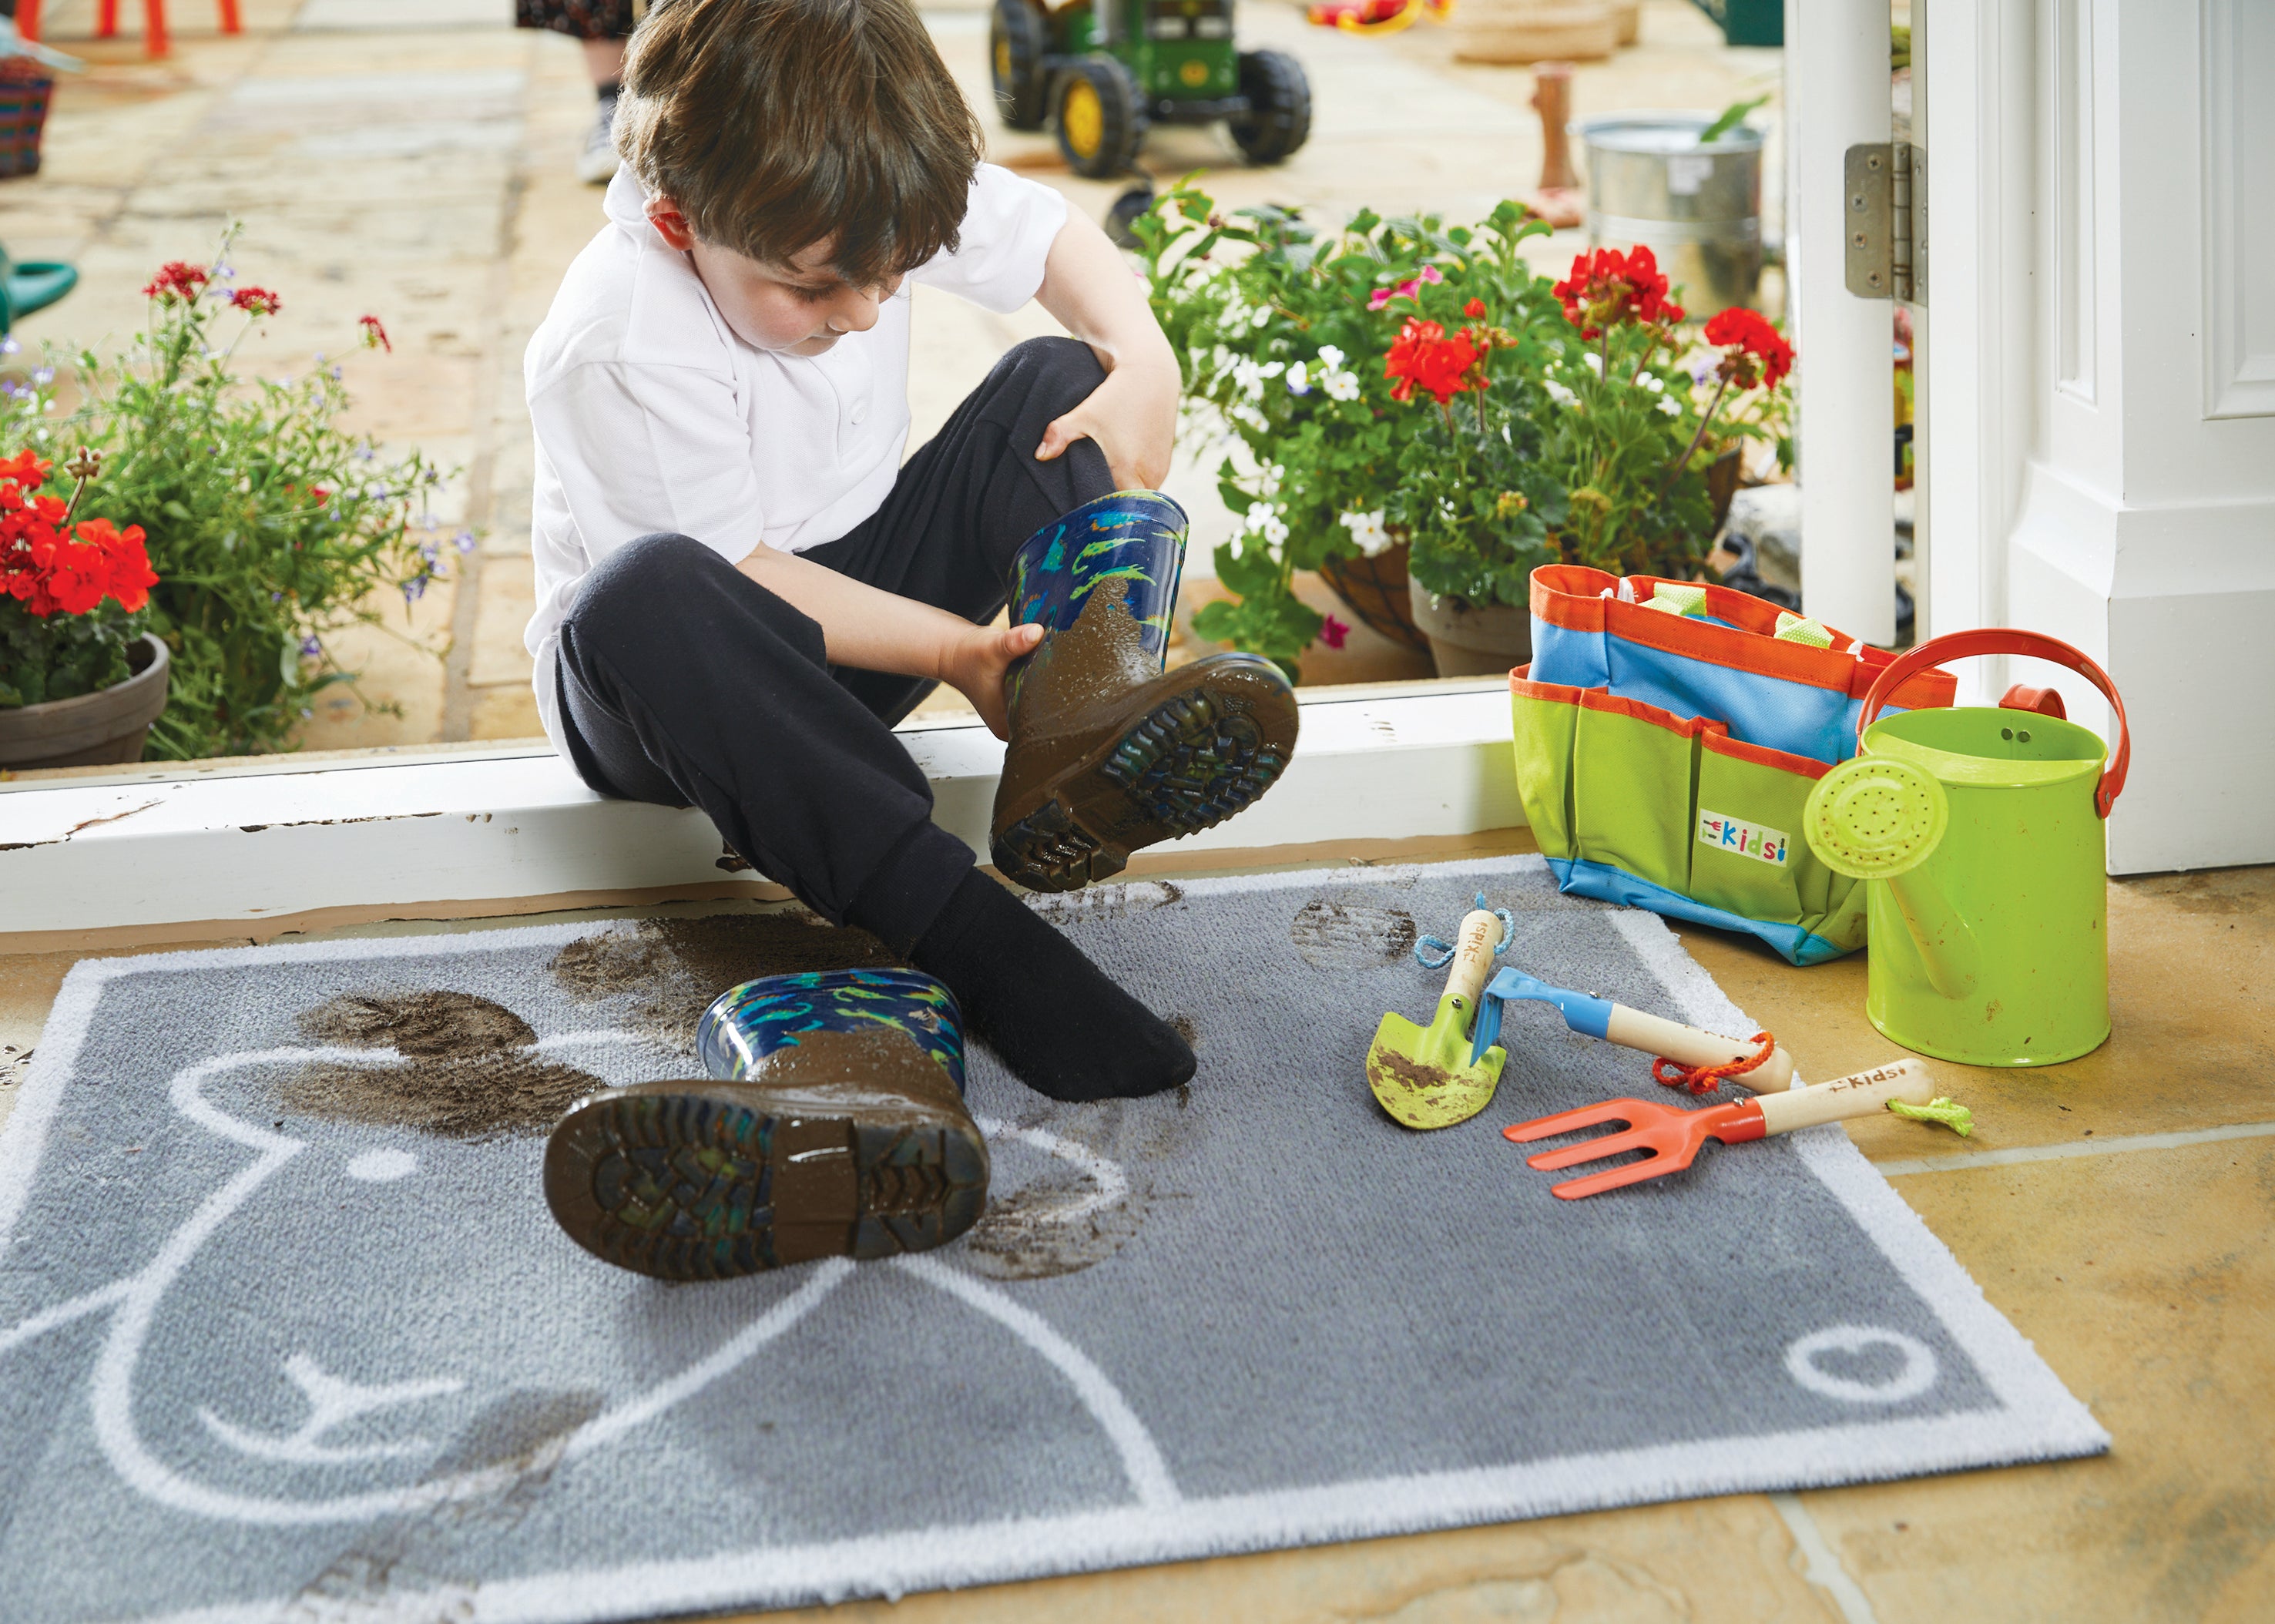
column 1887, row 220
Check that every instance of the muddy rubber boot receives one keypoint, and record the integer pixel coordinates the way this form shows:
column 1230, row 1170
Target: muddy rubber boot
column 1110, row 753
column 833, row 1126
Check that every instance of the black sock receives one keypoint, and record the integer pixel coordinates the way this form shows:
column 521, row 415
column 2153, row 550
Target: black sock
column 1062, row 1028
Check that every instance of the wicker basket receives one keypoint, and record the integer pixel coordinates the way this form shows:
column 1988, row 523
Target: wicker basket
column 1374, row 589
column 24, row 96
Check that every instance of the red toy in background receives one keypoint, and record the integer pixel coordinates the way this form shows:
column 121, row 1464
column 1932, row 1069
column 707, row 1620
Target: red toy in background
column 1377, row 15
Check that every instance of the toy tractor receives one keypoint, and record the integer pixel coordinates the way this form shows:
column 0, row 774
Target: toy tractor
column 1103, row 71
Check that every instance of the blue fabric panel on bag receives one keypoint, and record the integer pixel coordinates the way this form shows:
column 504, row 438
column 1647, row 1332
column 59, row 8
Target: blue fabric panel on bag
column 1793, row 717
column 1571, row 659
column 1581, row 878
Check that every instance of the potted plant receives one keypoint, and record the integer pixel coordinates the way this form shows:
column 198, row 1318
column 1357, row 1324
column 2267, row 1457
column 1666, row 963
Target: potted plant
column 1403, row 385
column 271, row 527
column 1284, row 333
column 80, row 677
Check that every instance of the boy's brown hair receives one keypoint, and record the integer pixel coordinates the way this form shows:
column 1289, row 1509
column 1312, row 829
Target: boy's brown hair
column 776, row 123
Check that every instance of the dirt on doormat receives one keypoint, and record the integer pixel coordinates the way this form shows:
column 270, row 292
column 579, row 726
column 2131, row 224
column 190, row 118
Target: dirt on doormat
column 676, row 967
column 468, row 1071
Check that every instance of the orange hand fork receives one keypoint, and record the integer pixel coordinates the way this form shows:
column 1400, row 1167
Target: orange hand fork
column 1672, row 1136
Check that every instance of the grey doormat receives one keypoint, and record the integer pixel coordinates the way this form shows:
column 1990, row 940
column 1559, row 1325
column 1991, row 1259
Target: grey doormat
column 287, row 1335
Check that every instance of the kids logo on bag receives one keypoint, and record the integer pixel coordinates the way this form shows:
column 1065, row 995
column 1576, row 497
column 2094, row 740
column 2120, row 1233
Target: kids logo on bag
column 1725, row 833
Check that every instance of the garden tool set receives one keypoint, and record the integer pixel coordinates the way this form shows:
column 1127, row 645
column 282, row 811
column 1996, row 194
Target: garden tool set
column 1673, row 1135
column 1445, row 1073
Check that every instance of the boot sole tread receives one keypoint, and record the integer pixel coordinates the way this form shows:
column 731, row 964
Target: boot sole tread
column 684, row 1186
column 1188, row 764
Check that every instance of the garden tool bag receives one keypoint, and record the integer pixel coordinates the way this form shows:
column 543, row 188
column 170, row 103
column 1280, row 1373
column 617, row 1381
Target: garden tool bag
column 1668, row 734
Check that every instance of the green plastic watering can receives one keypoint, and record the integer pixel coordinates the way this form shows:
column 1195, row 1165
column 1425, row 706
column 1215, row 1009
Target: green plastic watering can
column 1982, row 831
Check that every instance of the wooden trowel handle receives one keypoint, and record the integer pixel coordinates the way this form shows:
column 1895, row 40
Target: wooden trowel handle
column 1473, row 952
column 1860, row 1094
column 1687, row 1046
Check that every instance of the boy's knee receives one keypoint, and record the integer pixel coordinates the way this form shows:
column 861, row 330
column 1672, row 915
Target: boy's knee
column 1061, row 371
column 629, row 582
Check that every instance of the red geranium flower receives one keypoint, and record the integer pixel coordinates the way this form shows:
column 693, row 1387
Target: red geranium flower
column 177, row 279
column 1609, row 288
column 1754, row 351
column 1332, row 632
column 51, row 569
column 1475, row 308
column 1422, row 354
column 256, row 301
column 375, row 336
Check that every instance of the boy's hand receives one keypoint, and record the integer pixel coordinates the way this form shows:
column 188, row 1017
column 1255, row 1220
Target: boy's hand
column 1133, row 417
column 975, row 665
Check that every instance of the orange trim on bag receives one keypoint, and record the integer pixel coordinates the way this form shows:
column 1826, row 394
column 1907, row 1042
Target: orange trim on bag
column 1571, row 597
column 1607, row 703
column 1762, row 755
column 1558, row 693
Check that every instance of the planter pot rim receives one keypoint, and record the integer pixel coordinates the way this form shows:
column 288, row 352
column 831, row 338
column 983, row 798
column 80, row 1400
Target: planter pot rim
column 32, row 734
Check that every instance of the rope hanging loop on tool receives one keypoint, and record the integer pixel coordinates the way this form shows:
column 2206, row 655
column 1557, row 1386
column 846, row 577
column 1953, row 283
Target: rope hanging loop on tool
column 1424, row 946
column 1707, row 1079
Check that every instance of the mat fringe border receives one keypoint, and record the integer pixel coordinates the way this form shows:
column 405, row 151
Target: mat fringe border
column 2038, row 1420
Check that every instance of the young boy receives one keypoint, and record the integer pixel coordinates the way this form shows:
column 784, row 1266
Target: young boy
column 741, row 588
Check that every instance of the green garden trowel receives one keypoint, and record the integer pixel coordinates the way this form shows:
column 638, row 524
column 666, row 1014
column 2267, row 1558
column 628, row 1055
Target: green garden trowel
column 1427, row 1079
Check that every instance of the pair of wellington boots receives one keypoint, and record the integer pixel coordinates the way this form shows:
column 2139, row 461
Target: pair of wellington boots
column 832, row 1123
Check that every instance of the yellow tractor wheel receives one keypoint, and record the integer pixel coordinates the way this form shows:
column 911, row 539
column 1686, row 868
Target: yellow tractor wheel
column 1101, row 119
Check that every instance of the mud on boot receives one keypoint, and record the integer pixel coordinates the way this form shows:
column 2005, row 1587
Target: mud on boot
column 1109, row 751
column 833, row 1126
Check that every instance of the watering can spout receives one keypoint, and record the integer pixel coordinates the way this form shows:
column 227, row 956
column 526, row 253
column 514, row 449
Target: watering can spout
column 1947, row 943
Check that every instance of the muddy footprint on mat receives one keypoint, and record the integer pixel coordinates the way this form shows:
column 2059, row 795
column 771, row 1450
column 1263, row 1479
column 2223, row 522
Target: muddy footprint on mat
column 469, row 1068
column 1332, row 935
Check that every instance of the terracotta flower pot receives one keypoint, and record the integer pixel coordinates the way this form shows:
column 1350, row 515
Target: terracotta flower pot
column 97, row 729
column 1466, row 640
column 1374, row 589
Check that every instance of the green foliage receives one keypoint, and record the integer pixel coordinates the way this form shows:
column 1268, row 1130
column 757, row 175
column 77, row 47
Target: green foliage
column 50, row 657
column 269, row 526
column 1542, row 454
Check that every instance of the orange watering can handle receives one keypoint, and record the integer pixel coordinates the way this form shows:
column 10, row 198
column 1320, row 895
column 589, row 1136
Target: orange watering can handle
column 2000, row 640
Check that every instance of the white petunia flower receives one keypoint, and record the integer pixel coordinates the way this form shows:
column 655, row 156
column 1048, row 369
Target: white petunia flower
column 1593, row 361
column 1341, row 385
column 1670, row 405
column 1330, row 358
column 1652, row 381
column 1558, row 393
column 1299, row 379
column 1366, row 530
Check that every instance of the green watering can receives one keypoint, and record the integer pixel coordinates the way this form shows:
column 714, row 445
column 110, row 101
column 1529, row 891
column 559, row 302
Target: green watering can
column 1983, row 828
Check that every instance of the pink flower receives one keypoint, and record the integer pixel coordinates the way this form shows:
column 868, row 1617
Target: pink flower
column 1334, row 632
column 1430, row 273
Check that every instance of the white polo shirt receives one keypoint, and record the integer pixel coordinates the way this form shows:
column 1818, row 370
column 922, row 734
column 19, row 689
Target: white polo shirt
column 651, row 415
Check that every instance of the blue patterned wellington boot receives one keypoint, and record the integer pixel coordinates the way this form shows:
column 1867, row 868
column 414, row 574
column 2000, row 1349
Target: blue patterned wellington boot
column 1109, row 751
column 832, row 1126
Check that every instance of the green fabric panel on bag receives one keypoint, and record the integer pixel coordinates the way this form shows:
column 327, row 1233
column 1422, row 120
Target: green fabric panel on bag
column 1543, row 730
column 1748, row 856
column 1632, row 783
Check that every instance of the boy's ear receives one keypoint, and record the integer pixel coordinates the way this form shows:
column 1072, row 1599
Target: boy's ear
column 669, row 223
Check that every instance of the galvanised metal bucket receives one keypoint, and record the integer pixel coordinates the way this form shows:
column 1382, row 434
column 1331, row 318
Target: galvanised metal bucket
column 1698, row 207
column 1981, row 830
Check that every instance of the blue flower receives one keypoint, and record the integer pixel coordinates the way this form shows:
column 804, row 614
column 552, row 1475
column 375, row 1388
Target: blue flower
column 43, row 375
column 414, row 589
column 310, row 648
column 9, row 345
column 463, row 541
